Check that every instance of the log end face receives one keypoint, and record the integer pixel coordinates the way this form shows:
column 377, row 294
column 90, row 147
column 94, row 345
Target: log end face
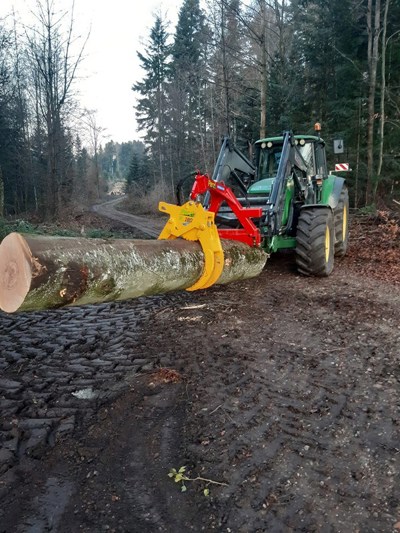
column 15, row 272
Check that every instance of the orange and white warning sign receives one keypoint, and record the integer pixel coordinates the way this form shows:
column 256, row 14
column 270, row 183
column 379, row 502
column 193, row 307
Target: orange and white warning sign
column 342, row 167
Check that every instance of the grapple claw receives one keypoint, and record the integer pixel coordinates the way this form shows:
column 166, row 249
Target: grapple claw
column 192, row 222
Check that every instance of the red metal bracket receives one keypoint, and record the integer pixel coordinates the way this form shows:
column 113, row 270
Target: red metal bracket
column 219, row 193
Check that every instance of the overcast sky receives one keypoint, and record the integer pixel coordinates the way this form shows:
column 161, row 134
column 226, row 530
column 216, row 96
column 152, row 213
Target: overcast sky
column 111, row 66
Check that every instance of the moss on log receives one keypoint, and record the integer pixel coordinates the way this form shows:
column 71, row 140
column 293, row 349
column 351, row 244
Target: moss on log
column 41, row 272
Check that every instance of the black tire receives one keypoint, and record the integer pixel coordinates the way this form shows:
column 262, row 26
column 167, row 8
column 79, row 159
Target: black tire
column 342, row 223
column 315, row 241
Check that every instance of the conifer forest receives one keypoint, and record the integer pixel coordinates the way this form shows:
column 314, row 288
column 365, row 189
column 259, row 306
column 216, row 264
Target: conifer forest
column 243, row 68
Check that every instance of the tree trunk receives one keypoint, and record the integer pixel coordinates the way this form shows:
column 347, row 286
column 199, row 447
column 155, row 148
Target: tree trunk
column 373, row 57
column 1, row 195
column 263, row 72
column 382, row 100
column 225, row 75
column 38, row 272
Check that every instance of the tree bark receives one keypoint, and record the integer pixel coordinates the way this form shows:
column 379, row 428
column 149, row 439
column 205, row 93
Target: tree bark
column 263, row 72
column 1, row 195
column 373, row 58
column 382, row 99
column 42, row 272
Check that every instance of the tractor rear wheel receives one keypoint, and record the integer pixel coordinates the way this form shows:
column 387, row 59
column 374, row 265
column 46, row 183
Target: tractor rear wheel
column 342, row 223
column 315, row 241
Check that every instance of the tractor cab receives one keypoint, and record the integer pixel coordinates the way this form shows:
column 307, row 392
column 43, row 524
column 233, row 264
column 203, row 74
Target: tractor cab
column 295, row 160
column 309, row 153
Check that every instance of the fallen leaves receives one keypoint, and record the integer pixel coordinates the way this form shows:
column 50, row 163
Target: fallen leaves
column 165, row 375
column 374, row 246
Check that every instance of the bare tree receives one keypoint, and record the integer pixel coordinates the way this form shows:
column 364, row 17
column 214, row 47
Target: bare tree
column 54, row 67
column 225, row 71
column 95, row 136
column 262, row 23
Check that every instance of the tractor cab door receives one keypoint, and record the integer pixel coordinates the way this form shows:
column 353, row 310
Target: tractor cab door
column 321, row 169
column 307, row 151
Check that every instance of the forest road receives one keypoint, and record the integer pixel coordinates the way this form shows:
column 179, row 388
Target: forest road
column 150, row 227
column 284, row 388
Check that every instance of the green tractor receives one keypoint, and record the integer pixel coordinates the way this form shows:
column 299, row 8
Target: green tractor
column 303, row 206
column 287, row 199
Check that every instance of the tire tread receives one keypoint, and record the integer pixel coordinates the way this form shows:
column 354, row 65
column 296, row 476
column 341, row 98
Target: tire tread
column 310, row 236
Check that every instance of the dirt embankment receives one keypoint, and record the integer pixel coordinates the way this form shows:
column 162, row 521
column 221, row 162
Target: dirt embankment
column 284, row 388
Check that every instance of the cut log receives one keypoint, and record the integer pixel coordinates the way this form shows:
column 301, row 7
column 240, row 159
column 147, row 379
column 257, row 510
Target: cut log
column 42, row 272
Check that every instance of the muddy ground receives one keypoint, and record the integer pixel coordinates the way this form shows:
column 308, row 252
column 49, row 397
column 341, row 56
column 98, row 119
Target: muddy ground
column 282, row 389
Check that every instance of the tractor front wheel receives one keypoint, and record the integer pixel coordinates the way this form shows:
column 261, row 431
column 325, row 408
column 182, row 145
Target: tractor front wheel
column 342, row 223
column 315, row 241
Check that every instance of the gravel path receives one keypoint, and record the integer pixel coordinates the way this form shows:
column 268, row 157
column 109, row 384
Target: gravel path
column 149, row 227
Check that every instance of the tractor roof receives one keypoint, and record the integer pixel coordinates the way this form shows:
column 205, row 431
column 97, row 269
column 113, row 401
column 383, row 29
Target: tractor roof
column 280, row 138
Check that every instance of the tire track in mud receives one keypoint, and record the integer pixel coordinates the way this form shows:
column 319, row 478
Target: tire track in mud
column 58, row 367
column 295, row 403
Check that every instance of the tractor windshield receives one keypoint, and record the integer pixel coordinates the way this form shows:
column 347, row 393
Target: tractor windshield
column 270, row 155
column 269, row 162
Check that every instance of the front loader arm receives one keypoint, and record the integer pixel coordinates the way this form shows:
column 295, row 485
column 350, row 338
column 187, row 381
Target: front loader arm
column 231, row 163
column 231, row 160
column 290, row 165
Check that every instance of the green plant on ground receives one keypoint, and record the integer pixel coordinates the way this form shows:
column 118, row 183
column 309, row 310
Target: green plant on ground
column 367, row 210
column 3, row 229
column 22, row 226
column 179, row 476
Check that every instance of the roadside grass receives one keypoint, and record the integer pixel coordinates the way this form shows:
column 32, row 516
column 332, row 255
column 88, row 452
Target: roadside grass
column 23, row 226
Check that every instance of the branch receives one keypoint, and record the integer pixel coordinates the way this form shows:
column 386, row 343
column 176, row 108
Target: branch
column 348, row 59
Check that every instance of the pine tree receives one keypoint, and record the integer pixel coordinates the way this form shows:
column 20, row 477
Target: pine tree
column 147, row 172
column 329, row 86
column 134, row 177
column 186, row 91
column 151, row 108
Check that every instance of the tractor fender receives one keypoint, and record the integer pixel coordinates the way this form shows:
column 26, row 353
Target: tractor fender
column 321, row 206
column 331, row 188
